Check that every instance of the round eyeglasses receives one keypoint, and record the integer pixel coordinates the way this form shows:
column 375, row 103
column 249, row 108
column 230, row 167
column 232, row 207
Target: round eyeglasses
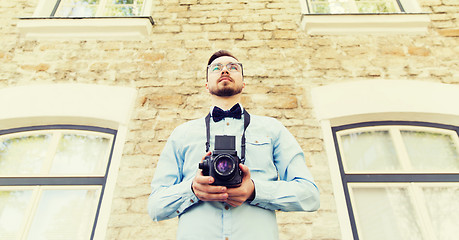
column 218, row 67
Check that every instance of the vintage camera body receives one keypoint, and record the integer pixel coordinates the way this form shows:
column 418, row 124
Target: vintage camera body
column 223, row 163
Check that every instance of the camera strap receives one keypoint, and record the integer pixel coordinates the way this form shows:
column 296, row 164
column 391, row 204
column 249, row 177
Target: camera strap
column 246, row 124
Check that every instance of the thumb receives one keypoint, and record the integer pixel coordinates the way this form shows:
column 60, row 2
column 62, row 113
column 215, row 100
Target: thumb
column 245, row 170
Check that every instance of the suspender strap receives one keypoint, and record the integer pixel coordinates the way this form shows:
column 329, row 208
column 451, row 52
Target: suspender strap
column 246, row 124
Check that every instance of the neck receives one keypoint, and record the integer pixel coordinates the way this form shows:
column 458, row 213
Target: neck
column 225, row 103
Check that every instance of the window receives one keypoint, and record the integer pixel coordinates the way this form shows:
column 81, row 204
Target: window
column 92, row 8
column 363, row 16
column 52, row 180
column 89, row 19
column 392, row 149
column 60, row 152
column 401, row 180
column 354, row 6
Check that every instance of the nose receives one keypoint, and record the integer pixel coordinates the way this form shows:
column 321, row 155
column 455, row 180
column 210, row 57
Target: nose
column 225, row 70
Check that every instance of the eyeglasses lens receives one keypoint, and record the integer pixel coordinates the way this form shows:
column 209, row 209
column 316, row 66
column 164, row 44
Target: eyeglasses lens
column 218, row 67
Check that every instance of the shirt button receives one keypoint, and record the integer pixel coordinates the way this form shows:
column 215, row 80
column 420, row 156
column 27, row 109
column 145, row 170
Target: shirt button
column 226, row 207
column 226, row 238
column 227, row 124
column 178, row 211
column 191, row 200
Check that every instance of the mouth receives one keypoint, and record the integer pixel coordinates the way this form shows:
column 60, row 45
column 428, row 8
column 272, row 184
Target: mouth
column 225, row 79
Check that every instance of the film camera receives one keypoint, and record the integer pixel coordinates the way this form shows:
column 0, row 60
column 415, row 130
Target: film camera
column 223, row 164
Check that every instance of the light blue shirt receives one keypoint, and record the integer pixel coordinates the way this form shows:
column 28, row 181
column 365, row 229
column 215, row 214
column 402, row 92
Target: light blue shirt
column 277, row 167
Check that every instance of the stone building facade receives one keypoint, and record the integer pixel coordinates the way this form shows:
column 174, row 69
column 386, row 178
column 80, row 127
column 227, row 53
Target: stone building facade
column 282, row 63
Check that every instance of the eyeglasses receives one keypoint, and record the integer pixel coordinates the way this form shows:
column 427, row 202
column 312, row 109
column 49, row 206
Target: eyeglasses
column 218, row 67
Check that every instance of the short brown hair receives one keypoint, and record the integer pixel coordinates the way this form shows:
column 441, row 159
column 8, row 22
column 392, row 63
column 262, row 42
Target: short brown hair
column 218, row 54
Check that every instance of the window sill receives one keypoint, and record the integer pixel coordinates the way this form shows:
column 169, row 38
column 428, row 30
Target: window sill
column 342, row 24
column 98, row 28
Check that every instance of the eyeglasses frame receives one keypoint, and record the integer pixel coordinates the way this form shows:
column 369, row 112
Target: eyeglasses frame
column 238, row 63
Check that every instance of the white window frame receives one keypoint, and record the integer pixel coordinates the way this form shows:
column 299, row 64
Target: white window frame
column 44, row 26
column 378, row 100
column 74, row 104
column 411, row 22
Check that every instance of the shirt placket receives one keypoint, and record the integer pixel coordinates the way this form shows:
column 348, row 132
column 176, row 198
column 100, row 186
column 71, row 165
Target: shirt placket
column 226, row 211
column 227, row 221
column 227, row 126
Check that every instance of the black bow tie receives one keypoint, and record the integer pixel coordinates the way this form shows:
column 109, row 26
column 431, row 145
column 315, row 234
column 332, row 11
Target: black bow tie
column 218, row 114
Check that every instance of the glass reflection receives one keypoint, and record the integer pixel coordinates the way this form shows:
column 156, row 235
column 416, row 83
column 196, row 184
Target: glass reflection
column 77, row 8
column 23, row 155
column 124, row 8
column 443, row 207
column 80, row 154
column 353, row 6
column 385, row 213
column 369, row 151
column 13, row 206
column 431, row 151
column 64, row 214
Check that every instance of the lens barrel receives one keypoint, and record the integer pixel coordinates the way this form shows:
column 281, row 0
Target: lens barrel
column 225, row 165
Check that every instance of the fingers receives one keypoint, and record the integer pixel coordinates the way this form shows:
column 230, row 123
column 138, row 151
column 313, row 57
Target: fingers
column 233, row 202
column 237, row 196
column 203, row 189
column 206, row 192
column 245, row 170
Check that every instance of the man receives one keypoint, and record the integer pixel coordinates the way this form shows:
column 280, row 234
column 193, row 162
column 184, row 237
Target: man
column 274, row 176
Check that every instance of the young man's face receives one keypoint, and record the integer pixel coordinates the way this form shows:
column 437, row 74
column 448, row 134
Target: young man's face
column 224, row 77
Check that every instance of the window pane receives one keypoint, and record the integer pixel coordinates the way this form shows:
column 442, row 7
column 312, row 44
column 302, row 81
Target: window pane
column 124, row 8
column 23, row 155
column 376, row 6
column 77, row 8
column 431, row 151
column 385, row 213
column 64, row 214
column 13, row 206
column 81, row 154
column 369, row 151
column 443, row 207
column 319, row 6
column 353, row 6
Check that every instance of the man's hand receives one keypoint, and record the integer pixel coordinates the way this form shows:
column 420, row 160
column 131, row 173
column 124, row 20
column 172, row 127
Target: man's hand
column 237, row 196
column 206, row 192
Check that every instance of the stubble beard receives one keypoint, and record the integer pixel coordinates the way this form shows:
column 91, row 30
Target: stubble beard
column 226, row 90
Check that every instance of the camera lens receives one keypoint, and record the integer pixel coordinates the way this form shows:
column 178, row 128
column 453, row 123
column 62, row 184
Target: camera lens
column 224, row 165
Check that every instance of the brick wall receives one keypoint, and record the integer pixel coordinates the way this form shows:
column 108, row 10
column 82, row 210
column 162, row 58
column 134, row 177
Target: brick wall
column 281, row 64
